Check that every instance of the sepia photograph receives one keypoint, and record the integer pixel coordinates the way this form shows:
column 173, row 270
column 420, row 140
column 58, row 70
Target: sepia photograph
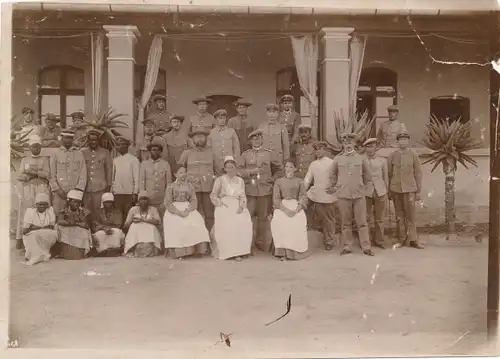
column 209, row 179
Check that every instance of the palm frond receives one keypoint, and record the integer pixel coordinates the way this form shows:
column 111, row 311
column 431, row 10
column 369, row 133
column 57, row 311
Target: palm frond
column 358, row 124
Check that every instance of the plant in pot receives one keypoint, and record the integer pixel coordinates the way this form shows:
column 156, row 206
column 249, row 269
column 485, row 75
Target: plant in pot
column 358, row 123
column 449, row 143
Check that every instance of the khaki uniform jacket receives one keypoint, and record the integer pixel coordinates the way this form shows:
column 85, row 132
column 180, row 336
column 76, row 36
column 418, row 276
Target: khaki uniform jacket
column 99, row 169
column 350, row 175
column 405, row 172
column 302, row 155
column 68, row 170
column 276, row 140
column 261, row 184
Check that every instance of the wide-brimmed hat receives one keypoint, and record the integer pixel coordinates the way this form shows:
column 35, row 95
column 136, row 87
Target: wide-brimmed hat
column 78, row 114
column 148, row 120
column 370, row 141
column 52, row 117
column 220, row 112
column 242, row 102
column 272, row 106
column 178, row 118
column 198, row 131
column 156, row 142
column 67, row 132
column 27, row 110
column 320, row 144
column 75, row 194
column 286, row 98
column 255, row 133
column 202, row 99
column 392, row 108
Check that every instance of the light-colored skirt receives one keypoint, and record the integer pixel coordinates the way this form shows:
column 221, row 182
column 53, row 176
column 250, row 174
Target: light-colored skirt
column 26, row 193
column 105, row 241
column 77, row 237
column 142, row 233
column 290, row 232
column 232, row 231
column 38, row 243
column 184, row 232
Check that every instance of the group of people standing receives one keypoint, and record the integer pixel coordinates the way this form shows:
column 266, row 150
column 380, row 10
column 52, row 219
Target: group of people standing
column 209, row 185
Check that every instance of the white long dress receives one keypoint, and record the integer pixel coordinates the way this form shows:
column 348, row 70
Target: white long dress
column 232, row 231
column 182, row 233
column 39, row 242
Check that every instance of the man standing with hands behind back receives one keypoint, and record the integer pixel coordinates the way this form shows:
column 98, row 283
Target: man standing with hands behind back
column 405, row 184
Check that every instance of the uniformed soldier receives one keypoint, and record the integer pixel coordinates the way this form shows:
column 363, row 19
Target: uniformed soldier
column 155, row 176
column 275, row 135
column 160, row 115
column 199, row 162
column 78, row 126
column 390, row 128
column 68, row 171
column 242, row 124
column 376, row 192
column 302, row 151
column 224, row 141
column 149, row 135
column 405, row 185
column 50, row 132
column 259, row 171
column 176, row 142
column 350, row 177
column 99, row 171
column 202, row 118
column 289, row 117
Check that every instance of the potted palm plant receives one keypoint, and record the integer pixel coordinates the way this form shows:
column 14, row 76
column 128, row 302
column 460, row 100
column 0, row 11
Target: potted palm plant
column 18, row 143
column 449, row 144
column 107, row 124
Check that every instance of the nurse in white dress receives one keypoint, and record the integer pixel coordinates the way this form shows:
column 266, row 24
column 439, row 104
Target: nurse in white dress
column 233, row 224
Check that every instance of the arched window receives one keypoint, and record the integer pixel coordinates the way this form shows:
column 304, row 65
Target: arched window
column 223, row 102
column 61, row 90
column 378, row 89
column 450, row 108
column 140, row 78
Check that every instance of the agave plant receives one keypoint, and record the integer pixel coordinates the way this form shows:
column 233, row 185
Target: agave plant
column 449, row 142
column 107, row 124
column 18, row 144
column 359, row 124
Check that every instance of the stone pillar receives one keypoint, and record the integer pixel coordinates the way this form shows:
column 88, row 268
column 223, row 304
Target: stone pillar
column 334, row 78
column 121, row 70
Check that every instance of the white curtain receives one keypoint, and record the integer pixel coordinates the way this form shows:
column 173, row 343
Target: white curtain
column 357, row 50
column 97, row 46
column 305, row 53
column 152, row 69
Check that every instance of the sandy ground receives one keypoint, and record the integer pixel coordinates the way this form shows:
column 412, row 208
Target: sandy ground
column 400, row 302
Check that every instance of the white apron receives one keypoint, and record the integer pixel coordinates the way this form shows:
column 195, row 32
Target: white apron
column 108, row 241
column 142, row 233
column 184, row 232
column 232, row 231
column 290, row 233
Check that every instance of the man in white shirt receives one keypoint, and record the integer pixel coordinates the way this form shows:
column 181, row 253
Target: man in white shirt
column 125, row 185
column 322, row 204
column 376, row 192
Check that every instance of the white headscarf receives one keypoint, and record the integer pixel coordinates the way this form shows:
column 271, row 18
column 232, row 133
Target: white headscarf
column 75, row 194
column 107, row 197
column 34, row 139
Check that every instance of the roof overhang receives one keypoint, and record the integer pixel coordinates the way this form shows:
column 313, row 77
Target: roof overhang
column 262, row 7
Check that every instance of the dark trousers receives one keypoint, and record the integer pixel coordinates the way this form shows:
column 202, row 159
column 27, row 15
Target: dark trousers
column 348, row 207
column 404, row 206
column 206, row 208
column 376, row 209
column 92, row 201
column 260, row 209
column 325, row 215
column 124, row 202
